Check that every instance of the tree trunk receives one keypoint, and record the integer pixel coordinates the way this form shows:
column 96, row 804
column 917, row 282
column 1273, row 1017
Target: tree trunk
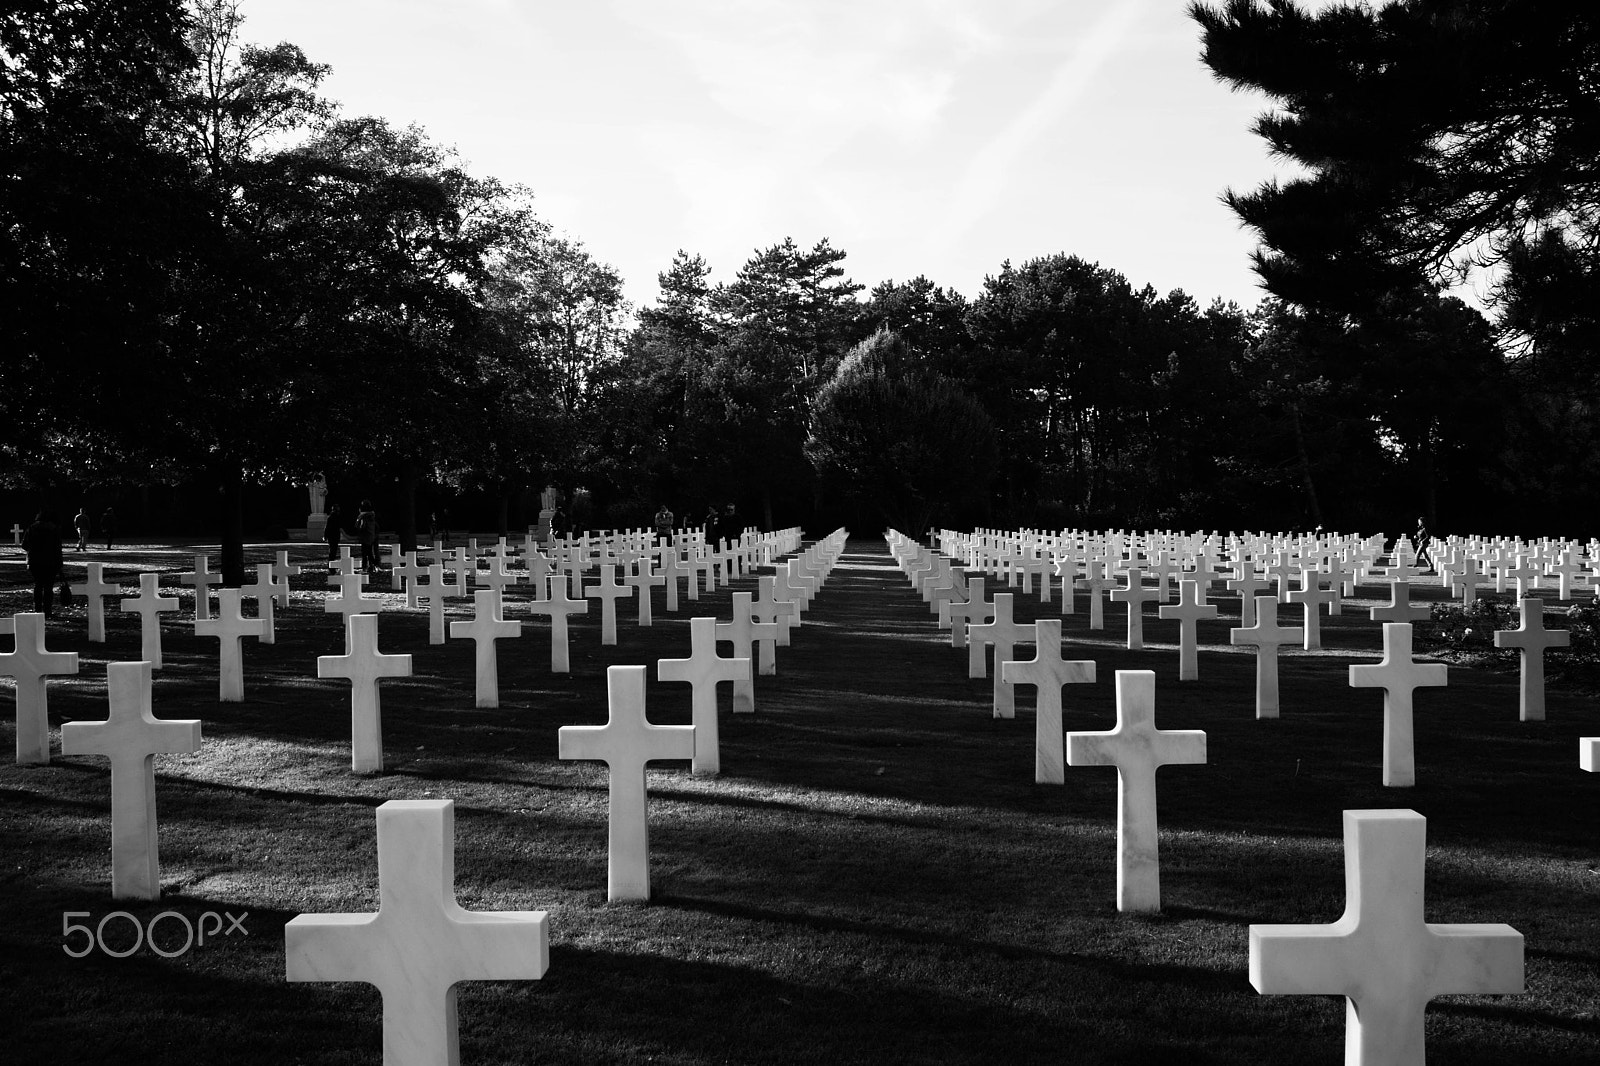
column 407, row 526
column 232, row 478
column 1303, row 460
column 766, row 506
column 505, row 508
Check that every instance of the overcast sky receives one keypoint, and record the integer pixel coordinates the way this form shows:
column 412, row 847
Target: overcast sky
column 933, row 137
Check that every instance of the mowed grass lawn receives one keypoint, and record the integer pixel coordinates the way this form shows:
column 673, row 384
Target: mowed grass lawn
column 873, row 878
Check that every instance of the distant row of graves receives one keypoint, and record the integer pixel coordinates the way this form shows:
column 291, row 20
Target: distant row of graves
column 1381, row 955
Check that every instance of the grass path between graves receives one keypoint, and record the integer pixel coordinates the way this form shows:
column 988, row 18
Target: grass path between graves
column 874, row 877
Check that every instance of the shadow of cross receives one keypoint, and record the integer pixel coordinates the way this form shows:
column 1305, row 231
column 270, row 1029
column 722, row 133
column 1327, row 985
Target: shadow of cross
column 703, row 669
column 364, row 666
column 625, row 744
column 1532, row 638
column 30, row 664
column 1381, row 955
column 1137, row 749
column 1399, row 676
column 421, row 943
column 130, row 738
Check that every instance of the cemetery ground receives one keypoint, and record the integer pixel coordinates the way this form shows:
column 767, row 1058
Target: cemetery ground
column 874, row 877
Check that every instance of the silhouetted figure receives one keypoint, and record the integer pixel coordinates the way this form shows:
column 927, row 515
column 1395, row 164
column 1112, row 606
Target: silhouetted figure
column 108, row 525
column 1423, row 540
column 330, row 532
column 42, row 543
column 367, row 532
column 81, row 524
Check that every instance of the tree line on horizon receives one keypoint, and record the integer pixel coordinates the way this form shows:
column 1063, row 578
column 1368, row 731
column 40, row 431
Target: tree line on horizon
column 209, row 275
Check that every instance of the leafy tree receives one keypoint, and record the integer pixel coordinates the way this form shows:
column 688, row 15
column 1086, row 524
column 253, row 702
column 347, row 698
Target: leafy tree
column 1440, row 135
column 900, row 438
column 95, row 221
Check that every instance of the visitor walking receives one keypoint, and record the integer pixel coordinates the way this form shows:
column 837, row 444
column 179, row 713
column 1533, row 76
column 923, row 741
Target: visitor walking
column 108, row 526
column 330, row 533
column 1423, row 540
column 81, row 523
column 367, row 531
column 42, row 543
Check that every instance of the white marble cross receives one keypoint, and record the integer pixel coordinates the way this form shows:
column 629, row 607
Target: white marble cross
column 130, row 738
column 974, row 609
column 1532, row 638
column 282, row 571
column 229, row 627
column 1095, row 584
column 1137, row 749
column 1400, row 608
column 150, row 603
column 202, row 579
column 16, row 534
column 558, row 605
column 1267, row 636
column 30, row 664
column 1248, row 586
column 350, row 600
column 643, row 580
column 703, row 669
column 364, row 666
column 1135, row 595
column 263, row 589
column 1048, row 672
column 410, row 572
column 434, row 593
column 1382, row 955
column 608, row 592
column 486, row 627
column 743, row 632
column 1399, row 676
column 421, row 943
column 92, row 589
column 1189, row 610
column 625, row 744
column 1311, row 595
column 673, row 571
column 768, row 608
column 1005, row 634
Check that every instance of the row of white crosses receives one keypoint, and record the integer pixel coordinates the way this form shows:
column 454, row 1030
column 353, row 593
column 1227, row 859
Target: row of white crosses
column 1339, row 562
column 421, row 943
column 1382, row 955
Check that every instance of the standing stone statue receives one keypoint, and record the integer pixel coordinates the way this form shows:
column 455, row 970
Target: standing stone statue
column 319, row 495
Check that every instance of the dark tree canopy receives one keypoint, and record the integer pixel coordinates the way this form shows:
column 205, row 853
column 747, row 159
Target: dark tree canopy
column 1440, row 136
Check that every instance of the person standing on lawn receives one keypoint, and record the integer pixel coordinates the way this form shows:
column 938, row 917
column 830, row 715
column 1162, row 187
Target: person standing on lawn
column 42, row 543
column 367, row 530
column 330, row 533
column 81, row 523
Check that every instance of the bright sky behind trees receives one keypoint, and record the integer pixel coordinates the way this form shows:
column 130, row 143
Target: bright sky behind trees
column 937, row 137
